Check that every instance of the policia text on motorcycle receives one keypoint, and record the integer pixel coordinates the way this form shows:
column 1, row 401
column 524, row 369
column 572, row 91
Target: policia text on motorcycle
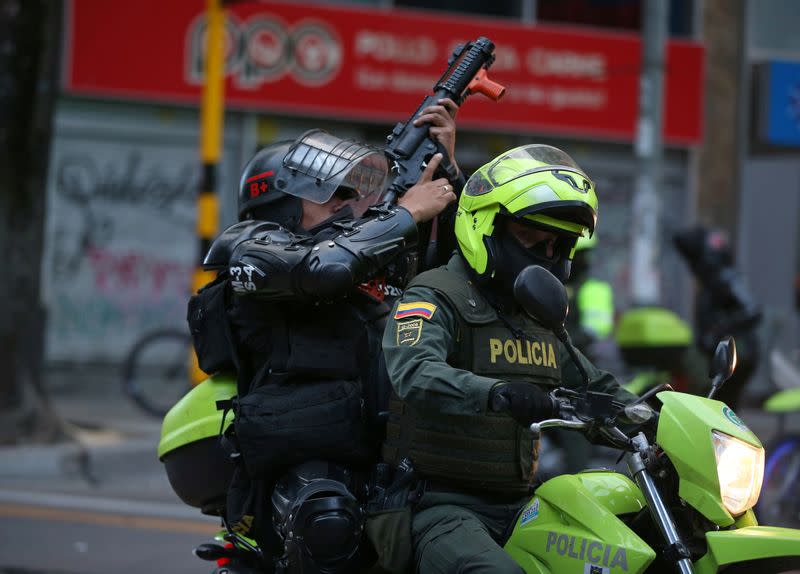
column 294, row 314
column 458, row 343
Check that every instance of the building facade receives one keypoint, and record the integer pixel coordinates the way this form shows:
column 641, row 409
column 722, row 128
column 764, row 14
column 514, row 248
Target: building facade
column 124, row 170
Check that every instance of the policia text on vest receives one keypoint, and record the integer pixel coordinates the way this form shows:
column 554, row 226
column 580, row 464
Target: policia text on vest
column 525, row 352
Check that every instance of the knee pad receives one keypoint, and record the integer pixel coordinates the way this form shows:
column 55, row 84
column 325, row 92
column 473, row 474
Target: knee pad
column 321, row 523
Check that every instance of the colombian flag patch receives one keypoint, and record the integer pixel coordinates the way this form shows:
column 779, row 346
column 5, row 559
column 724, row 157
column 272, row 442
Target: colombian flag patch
column 415, row 309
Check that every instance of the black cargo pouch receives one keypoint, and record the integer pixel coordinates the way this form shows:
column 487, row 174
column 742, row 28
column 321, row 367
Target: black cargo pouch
column 281, row 424
column 388, row 524
column 210, row 328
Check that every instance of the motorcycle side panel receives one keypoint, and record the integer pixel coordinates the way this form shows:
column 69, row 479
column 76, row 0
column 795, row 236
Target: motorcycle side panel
column 684, row 432
column 751, row 544
column 571, row 525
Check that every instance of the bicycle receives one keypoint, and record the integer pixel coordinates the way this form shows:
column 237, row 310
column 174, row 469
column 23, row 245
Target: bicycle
column 156, row 372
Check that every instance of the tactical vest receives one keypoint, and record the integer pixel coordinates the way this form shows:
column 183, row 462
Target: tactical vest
column 287, row 350
column 294, row 342
column 487, row 451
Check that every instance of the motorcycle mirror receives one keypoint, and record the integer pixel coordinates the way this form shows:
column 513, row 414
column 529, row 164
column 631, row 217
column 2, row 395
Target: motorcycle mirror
column 723, row 364
column 542, row 296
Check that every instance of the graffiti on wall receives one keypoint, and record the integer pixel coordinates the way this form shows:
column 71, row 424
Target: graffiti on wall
column 120, row 245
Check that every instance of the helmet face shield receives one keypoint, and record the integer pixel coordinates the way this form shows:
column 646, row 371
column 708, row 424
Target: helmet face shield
column 531, row 159
column 318, row 164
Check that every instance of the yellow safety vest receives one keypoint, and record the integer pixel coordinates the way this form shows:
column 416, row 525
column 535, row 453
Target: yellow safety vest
column 596, row 307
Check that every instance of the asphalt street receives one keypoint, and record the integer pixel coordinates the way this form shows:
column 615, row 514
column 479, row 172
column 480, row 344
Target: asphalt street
column 99, row 504
column 103, row 504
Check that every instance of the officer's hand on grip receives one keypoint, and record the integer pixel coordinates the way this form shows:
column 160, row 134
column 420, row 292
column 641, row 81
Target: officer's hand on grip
column 525, row 402
column 442, row 119
column 429, row 196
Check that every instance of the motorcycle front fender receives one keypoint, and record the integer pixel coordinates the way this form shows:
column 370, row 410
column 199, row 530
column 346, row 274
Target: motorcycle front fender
column 762, row 549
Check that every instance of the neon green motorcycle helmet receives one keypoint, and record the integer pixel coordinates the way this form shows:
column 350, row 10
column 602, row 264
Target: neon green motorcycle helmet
column 536, row 184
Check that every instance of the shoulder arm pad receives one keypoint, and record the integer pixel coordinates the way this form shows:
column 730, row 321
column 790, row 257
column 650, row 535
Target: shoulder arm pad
column 266, row 267
column 219, row 254
column 335, row 266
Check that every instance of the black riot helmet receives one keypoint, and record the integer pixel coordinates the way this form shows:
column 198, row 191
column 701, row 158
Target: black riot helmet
column 258, row 196
column 314, row 167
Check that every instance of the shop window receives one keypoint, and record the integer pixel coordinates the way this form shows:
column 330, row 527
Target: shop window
column 503, row 8
column 616, row 14
column 624, row 14
column 613, row 14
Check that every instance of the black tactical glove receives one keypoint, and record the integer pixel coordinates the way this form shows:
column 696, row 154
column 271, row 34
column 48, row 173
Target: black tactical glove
column 525, row 402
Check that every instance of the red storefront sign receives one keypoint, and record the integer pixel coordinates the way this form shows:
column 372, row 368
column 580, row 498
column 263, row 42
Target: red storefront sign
column 373, row 64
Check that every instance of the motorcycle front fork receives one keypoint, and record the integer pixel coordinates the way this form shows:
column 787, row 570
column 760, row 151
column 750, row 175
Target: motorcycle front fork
column 676, row 550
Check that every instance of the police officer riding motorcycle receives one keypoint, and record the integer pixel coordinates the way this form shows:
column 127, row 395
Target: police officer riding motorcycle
column 471, row 369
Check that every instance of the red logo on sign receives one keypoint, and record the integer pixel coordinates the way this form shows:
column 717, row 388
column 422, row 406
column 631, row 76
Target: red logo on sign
column 265, row 48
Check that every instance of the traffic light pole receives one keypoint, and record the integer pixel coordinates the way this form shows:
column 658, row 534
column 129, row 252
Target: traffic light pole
column 212, row 114
column 645, row 236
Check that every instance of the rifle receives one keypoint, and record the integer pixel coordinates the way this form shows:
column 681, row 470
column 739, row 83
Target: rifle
column 410, row 147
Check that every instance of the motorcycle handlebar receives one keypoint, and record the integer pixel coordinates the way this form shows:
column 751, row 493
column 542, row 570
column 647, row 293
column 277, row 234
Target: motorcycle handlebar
column 568, row 417
column 536, row 428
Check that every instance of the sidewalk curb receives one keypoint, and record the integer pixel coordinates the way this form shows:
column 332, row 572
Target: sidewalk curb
column 62, row 459
column 107, row 504
column 76, row 459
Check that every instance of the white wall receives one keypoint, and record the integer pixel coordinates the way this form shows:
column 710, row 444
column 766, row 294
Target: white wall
column 120, row 241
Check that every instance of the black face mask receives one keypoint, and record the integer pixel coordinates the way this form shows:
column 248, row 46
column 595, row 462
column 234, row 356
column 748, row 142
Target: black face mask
column 512, row 257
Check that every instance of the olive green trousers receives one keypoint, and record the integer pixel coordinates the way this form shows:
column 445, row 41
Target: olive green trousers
column 459, row 533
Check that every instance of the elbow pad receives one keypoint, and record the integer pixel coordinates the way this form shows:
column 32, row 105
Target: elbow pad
column 221, row 250
column 334, row 267
column 266, row 267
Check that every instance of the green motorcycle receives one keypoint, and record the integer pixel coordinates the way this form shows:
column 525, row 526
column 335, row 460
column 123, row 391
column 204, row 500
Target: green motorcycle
column 696, row 470
column 695, row 481
column 695, row 475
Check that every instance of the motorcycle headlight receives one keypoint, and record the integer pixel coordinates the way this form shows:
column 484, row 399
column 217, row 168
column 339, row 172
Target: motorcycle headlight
column 740, row 468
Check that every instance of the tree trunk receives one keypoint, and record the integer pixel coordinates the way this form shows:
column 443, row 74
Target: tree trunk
column 719, row 177
column 30, row 32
